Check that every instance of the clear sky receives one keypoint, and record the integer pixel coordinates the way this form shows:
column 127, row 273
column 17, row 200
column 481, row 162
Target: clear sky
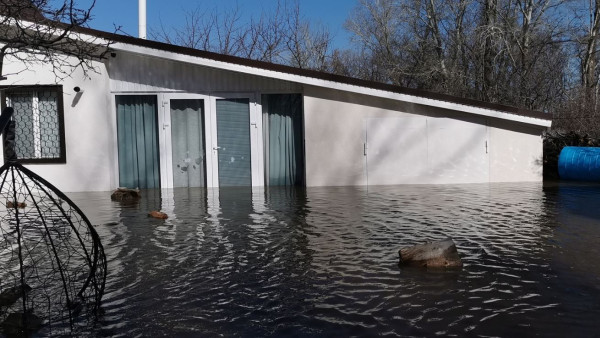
column 124, row 13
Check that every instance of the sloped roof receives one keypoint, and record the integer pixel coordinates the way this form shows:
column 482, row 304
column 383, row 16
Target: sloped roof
column 122, row 42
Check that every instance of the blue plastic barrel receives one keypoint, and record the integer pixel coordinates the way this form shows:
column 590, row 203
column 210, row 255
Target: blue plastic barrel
column 579, row 163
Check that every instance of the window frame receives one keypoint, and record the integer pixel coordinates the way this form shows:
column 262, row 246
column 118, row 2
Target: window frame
column 58, row 89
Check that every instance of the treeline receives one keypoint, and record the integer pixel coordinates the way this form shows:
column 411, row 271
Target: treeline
column 534, row 54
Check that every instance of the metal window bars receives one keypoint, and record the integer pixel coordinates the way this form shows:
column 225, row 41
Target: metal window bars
column 52, row 263
column 37, row 131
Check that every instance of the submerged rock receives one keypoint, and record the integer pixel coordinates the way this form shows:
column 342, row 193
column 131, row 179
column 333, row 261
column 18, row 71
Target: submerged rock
column 438, row 254
column 158, row 214
column 18, row 324
column 12, row 205
column 126, row 195
column 9, row 296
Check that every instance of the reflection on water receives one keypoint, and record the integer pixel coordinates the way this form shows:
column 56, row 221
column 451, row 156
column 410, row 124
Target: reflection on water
column 323, row 261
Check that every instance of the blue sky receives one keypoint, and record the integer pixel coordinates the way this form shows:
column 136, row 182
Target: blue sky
column 110, row 13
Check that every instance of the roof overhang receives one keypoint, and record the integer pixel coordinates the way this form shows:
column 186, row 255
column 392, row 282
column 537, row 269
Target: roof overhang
column 309, row 77
column 307, row 80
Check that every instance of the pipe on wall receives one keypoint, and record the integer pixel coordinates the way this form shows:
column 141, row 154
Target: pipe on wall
column 142, row 19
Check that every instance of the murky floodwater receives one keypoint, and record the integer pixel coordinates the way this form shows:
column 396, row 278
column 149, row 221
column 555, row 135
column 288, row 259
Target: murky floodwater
column 323, row 261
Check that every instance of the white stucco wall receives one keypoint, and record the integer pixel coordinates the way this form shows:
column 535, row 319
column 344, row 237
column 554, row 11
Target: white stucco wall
column 414, row 144
column 516, row 152
column 89, row 130
column 408, row 143
column 90, row 120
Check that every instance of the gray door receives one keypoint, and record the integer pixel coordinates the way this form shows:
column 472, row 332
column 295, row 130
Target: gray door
column 187, row 139
column 233, row 139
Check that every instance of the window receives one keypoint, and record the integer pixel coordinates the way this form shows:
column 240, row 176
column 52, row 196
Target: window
column 39, row 123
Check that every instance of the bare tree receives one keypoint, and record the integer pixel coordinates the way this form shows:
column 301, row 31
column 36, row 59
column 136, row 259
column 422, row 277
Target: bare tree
column 580, row 111
column 281, row 36
column 307, row 48
column 589, row 57
column 494, row 50
column 195, row 33
column 488, row 30
column 376, row 27
column 265, row 38
column 533, row 33
column 221, row 32
column 33, row 31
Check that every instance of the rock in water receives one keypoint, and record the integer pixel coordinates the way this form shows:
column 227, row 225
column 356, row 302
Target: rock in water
column 9, row 296
column 126, row 195
column 158, row 214
column 21, row 325
column 439, row 254
column 12, row 205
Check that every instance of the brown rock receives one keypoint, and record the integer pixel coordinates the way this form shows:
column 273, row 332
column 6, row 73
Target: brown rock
column 438, row 254
column 126, row 195
column 158, row 214
column 20, row 205
column 10, row 295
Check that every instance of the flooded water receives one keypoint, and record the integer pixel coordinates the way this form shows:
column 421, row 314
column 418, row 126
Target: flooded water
column 324, row 261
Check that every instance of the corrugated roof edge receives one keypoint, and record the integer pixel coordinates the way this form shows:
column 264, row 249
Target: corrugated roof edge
column 312, row 73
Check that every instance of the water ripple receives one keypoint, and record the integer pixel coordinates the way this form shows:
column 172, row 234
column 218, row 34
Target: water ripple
column 323, row 261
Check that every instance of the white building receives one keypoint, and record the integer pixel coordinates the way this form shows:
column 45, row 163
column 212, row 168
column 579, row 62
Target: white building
column 158, row 115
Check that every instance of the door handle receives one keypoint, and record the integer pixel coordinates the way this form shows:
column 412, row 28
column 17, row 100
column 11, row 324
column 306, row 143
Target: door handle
column 216, row 148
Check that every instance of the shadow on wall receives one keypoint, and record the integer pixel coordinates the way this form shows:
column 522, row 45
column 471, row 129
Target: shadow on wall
column 76, row 98
column 131, row 72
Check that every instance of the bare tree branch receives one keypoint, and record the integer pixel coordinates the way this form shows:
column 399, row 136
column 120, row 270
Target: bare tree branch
column 33, row 31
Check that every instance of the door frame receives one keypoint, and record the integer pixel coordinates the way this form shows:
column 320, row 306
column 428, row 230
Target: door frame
column 210, row 136
column 164, row 130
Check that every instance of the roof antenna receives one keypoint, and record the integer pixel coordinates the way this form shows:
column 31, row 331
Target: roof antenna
column 142, row 19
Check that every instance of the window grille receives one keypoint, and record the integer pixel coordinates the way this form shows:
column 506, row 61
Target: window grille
column 39, row 130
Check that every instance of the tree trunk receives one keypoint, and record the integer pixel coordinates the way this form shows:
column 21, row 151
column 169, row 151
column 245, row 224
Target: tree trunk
column 524, row 65
column 433, row 21
column 490, row 13
column 588, row 64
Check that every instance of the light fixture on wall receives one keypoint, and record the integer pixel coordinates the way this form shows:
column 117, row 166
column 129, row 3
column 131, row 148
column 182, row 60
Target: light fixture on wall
column 77, row 97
